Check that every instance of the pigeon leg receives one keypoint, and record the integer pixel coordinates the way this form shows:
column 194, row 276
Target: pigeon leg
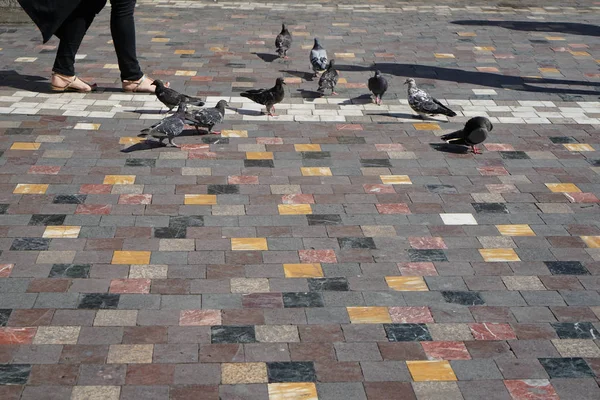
column 333, row 93
column 172, row 143
column 475, row 150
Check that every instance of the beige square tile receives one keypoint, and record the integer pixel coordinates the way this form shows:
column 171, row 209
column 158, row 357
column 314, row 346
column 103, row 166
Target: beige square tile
column 277, row 333
column 378, row 230
column 116, row 318
column 243, row 373
column 130, row 354
column 518, row 282
column 450, row 332
column 96, row 393
column 56, row 257
column 233, row 133
column 57, row 335
column 249, row 285
column 576, row 348
column 177, row 245
column 148, row 271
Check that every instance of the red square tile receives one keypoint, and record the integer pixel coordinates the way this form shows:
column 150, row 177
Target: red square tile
column 531, row 389
column 499, row 147
column 389, row 147
column 95, row 189
column 242, row 180
column 446, row 350
column 501, row 188
column 135, row 199
column 417, row 269
column 269, row 140
column 582, row 197
column 130, row 286
column 425, row 243
column 378, row 188
column 195, row 147
column 492, row 331
column 298, row 199
column 492, row 171
column 5, row 270
column 199, row 317
column 317, row 256
column 150, row 374
column 102, row 209
column 43, row 170
column 17, row 335
column 348, row 127
column 262, row 300
column 406, row 315
column 393, row 208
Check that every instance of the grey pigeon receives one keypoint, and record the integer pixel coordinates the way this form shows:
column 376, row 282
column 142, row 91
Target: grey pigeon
column 329, row 79
column 168, row 127
column 208, row 117
column 171, row 98
column 475, row 131
column 267, row 97
column 283, row 42
column 318, row 58
column 422, row 102
column 378, row 85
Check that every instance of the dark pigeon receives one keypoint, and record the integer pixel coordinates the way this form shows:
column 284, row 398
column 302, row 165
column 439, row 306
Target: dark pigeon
column 267, row 97
column 329, row 79
column 422, row 102
column 283, row 42
column 476, row 130
column 168, row 127
column 208, row 117
column 318, row 58
column 171, row 98
column 378, row 85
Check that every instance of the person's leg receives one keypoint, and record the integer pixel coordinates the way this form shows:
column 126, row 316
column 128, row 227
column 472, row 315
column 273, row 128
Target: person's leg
column 122, row 28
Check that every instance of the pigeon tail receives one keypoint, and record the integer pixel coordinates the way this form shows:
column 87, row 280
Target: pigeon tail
column 446, row 111
column 454, row 135
column 144, row 133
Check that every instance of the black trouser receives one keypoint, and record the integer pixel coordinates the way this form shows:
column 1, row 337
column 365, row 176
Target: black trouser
column 122, row 28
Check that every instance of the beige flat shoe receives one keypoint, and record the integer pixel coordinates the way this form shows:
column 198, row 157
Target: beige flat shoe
column 142, row 85
column 71, row 84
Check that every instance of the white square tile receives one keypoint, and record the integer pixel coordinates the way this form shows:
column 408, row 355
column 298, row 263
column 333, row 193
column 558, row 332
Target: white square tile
column 458, row 219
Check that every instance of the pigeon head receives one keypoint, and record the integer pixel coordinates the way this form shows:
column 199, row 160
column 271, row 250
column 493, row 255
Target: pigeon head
column 280, row 81
column 317, row 44
column 158, row 83
column 410, row 82
column 283, row 28
column 331, row 64
column 222, row 104
column 377, row 73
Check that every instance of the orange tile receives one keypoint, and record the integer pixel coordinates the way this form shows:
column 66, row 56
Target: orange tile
column 307, row 147
column 259, row 155
column 26, row 188
column 406, row 283
column 200, row 199
column 578, row 147
column 395, row 179
column 25, row 146
column 515, row 230
column 549, row 70
column 316, row 171
column 443, row 55
column 592, row 241
column 426, row 126
column 249, row 244
column 499, row 255
column 555, row 38
column 68, row 232
column 466, row 34
column 131, row 140
column 182, row 51
column 131, row 257
column 369, row 315
column 294, row 209
column 160, row 40
column 438, row 370
column 312, row 270
column 563, row 188
column 17, row 335
column 293, row 391
column 119, row 180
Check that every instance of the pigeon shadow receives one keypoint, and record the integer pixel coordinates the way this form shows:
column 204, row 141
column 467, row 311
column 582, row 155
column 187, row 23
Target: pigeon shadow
column 307, row 76
column 145, row 145
column 266, row 57
column 242, row 111
column 519, row 83
column 449, row 148
column 362, row 99
column 34, row 83
column 571, row 28
column 309, row 95
column 152, row 112
column 401, row 116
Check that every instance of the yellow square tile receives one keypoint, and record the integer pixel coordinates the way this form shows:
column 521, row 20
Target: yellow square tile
column 344, row 55
column 185, row 73
column 111, row 66
column 233, row 133
column 438, row 370
column 307, row 147
column 549, row 70
column 563, row 188
column 406, row 283
column 466, row 34
column 303, row 270
column 249, row 244
column 160, row 40
column 131, row 257
column 484, row 48
column 592, row 241
column 26, row 188
column 515, row 230
column 259, row 155
column 425, row 126
column 555, row 38
column 395, row 179
column 70, row 232
column 131, row 140
column 294, row 209
column 119, row 180
column 218, row 49
column 499, row 255
column 316, row 171
column 578, row 147
column 181, row 51
column 443, row 55
column 342, row 80
column 25, row 146
column 580, row 53
column 200, row 199
column 293, row 391
column 369, row 315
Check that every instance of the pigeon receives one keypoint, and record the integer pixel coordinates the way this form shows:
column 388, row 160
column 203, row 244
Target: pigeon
column 475, row 132
column 318, row 58
column 422, row 102
column 208, row 117
column 283, row 42
column 172, row 98
column 378, row 85
column 168, row 127
column 329, row 79
column 267, row 97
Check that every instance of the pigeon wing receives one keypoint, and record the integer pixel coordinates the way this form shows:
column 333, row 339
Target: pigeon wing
column 318, row 59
